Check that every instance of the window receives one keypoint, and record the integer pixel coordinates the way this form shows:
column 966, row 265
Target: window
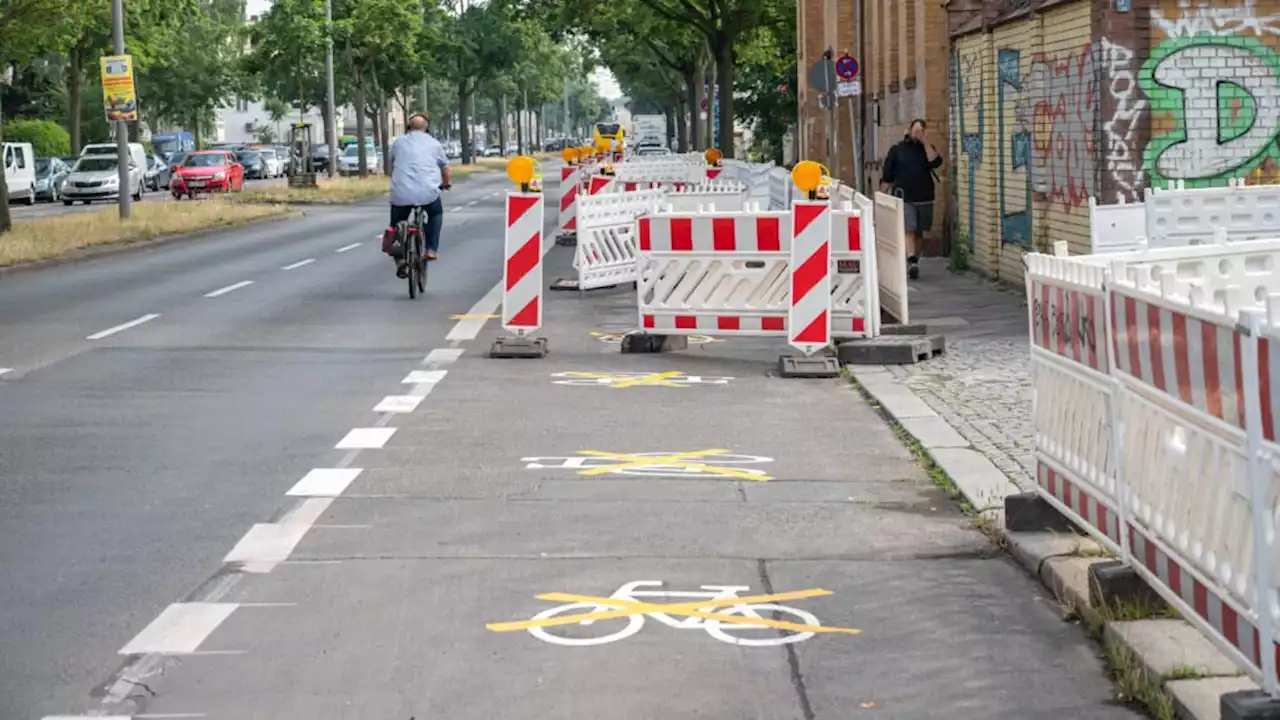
column 20, row 155
column 242, row 105
column 911, row 38
column 894, row 18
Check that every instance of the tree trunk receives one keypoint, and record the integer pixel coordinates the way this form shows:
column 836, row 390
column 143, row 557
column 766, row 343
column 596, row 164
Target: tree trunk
column 682, row 128
column 74, row 78
column 6, row 222
column 384, row 119
column 671, row 126
column 709, row 76
column 361, row 109
column 520, row 131
column 693, row 81
column 502, row 124
column 724, row 69
column 464, row 123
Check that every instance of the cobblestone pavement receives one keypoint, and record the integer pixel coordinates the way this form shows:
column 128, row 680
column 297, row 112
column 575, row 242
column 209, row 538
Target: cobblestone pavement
column 982, row 384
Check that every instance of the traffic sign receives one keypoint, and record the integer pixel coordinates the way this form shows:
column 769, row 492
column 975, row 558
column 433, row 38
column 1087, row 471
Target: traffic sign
column 849, row 89
column 847, row 67
column 822, row 76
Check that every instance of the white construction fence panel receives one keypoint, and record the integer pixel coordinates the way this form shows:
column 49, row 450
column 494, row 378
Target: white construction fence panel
column 1116, row 228
column 669, row 171
column 891, row 256
column 606, row 251
column 855, row 307
column 1157, row 433
column 779, row 189
column 711, row 195
column 1179, row 217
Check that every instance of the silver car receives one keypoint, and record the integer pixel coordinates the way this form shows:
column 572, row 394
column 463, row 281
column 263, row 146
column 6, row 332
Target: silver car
column 96, row 177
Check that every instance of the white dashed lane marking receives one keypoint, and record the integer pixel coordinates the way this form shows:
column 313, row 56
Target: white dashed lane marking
column 473, row 202
column 125, row 326
column 398, row 404
column 179, row 629
column 370, row 438
column 345, row 248
column 299, row 264
column 5, row 370
column 324, row 482
column 230, row 288
column 418, row 377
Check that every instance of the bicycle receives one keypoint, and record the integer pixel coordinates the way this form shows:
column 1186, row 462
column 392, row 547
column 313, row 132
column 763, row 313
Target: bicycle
column 415, row 258
column 724, row 632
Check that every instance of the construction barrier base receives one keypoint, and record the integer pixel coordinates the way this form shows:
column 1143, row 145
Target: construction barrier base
column 567, row 240
column 1249, row 705
column 572, row 284
column 511, row 346
column 798, row 366
column 892, row 349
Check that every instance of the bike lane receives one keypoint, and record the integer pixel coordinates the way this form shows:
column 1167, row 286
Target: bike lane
column 639, row 494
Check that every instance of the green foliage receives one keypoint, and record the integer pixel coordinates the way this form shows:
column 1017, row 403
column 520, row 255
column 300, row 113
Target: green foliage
column 47, row 138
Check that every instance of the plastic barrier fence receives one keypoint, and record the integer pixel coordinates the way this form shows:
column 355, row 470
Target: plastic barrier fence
column 1179, row 217
column 740, row 273
column 707, row 196
column 606, row 251
column 1155, row 422
column 891, row 257
column 670, row 171
column 779, row 189
column 570, row 181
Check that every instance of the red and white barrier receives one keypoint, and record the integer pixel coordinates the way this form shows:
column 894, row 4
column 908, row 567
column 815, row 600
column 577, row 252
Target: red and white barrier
column 522, row 271
column 570, row 179
column 855, row 302
column 1154, row 424
column 809, row 319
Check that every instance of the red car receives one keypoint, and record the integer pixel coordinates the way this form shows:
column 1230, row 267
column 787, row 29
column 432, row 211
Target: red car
column 207, row 171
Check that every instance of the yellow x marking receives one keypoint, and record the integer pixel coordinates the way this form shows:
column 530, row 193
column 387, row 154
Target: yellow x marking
column 633, row 462
column 662, row 379
column 698, row 609
column 473, row 317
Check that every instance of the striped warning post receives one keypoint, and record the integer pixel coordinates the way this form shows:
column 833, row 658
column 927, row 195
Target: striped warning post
column 570, row 176
column 809, row 318
column 522, row 271
column 599, row 184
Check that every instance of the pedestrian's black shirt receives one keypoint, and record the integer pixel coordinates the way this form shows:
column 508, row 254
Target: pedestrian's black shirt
column 907, row 168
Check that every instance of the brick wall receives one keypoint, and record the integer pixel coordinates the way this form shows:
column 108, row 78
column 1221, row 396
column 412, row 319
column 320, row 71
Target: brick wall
column 1055, row 102
column 823, row 25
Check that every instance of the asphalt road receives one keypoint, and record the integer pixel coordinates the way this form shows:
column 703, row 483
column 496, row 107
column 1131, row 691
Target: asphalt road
column 292, row 492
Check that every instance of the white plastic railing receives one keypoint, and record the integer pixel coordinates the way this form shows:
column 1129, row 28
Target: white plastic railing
column 1179, row 217
column 717, row 194
column 891, row 256
column 1155, row 424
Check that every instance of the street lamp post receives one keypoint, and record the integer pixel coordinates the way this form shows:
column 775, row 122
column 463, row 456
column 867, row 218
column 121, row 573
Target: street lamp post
column 122, row 127
column 331, row 125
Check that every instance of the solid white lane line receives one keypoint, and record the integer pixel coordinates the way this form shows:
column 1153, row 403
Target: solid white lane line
column 345, row 248
column 417, row 377
column 324, row 482
column 180, row 628
column 119, row 328
column 91, row 717
column 299, row 264
column 468, row 328
column 230, row 288
column 370, row 438
column 442, row 356
column 459, row 208
column 398, row 404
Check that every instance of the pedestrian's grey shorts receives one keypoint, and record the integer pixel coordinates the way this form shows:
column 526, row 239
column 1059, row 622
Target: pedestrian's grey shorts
column 917, row 218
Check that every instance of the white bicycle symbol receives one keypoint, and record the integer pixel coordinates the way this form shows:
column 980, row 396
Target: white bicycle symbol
column 631, row 624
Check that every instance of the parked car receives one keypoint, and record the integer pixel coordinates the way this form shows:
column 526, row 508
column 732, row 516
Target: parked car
column 158, row 174
column 349, row 160
column 493, row 151
column 97, row 177
column 255, row 165
column 275, row 165
column 319, row 157
column 513, row 148
column 453, row 149
column 175, row 161
column 137, row 157
column 50, row 174
column 207, row 171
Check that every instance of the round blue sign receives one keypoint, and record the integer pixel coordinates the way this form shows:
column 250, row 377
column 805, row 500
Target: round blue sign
column 847, row 67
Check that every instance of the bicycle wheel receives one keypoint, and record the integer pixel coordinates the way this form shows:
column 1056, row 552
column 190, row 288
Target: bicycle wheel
column 761, row 635
column 582, row 634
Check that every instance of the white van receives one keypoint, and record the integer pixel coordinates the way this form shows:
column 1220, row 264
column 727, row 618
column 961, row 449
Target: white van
column 136, row 152
column 20, row 171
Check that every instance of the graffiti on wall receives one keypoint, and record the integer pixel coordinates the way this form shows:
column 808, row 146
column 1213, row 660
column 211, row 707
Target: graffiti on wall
column 1215, row 98
column 1062, row 95
column 970, row 66
column 1123, row 156
column 1014, row 182
column 1216, row 19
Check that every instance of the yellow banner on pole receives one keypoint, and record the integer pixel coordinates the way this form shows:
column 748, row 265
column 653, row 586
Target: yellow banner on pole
column 118, row 94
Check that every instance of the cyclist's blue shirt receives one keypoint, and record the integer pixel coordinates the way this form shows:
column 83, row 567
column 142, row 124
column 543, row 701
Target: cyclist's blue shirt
column 416, row 161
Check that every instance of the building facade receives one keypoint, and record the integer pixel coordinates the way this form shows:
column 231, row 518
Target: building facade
column 903, row 73
column 1056, row 102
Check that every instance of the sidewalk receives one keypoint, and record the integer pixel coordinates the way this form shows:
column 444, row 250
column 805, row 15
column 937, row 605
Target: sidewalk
column 982, row 385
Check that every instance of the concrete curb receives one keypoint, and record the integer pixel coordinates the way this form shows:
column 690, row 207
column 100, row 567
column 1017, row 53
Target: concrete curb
column 1168, row 653
column 98, row 251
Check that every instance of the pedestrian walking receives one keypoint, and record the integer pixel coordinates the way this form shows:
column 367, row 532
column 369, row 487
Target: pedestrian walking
column 909, row 174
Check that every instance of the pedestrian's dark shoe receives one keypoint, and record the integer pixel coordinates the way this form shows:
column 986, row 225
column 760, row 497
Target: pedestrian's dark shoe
column 913, row 268
column 402, row 269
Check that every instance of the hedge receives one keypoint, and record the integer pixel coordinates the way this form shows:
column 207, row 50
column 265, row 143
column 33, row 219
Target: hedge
column 48, row 138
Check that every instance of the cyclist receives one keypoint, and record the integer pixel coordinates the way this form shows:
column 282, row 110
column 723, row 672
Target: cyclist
column 419, row 171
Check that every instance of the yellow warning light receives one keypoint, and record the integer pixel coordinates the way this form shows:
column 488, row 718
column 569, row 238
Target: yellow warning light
column 520, row 170
column 807, row 175
column 713, row 156
column 570, row 155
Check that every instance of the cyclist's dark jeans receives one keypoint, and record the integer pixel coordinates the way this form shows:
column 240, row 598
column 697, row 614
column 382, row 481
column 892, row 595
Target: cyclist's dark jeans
column 435, row 220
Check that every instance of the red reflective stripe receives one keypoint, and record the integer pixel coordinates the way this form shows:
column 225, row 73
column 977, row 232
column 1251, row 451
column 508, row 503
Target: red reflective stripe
column 773, row 324
column 723, row 234
column 728, row 323
column 767, row 234
column 681, row 234
column 524, row 260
